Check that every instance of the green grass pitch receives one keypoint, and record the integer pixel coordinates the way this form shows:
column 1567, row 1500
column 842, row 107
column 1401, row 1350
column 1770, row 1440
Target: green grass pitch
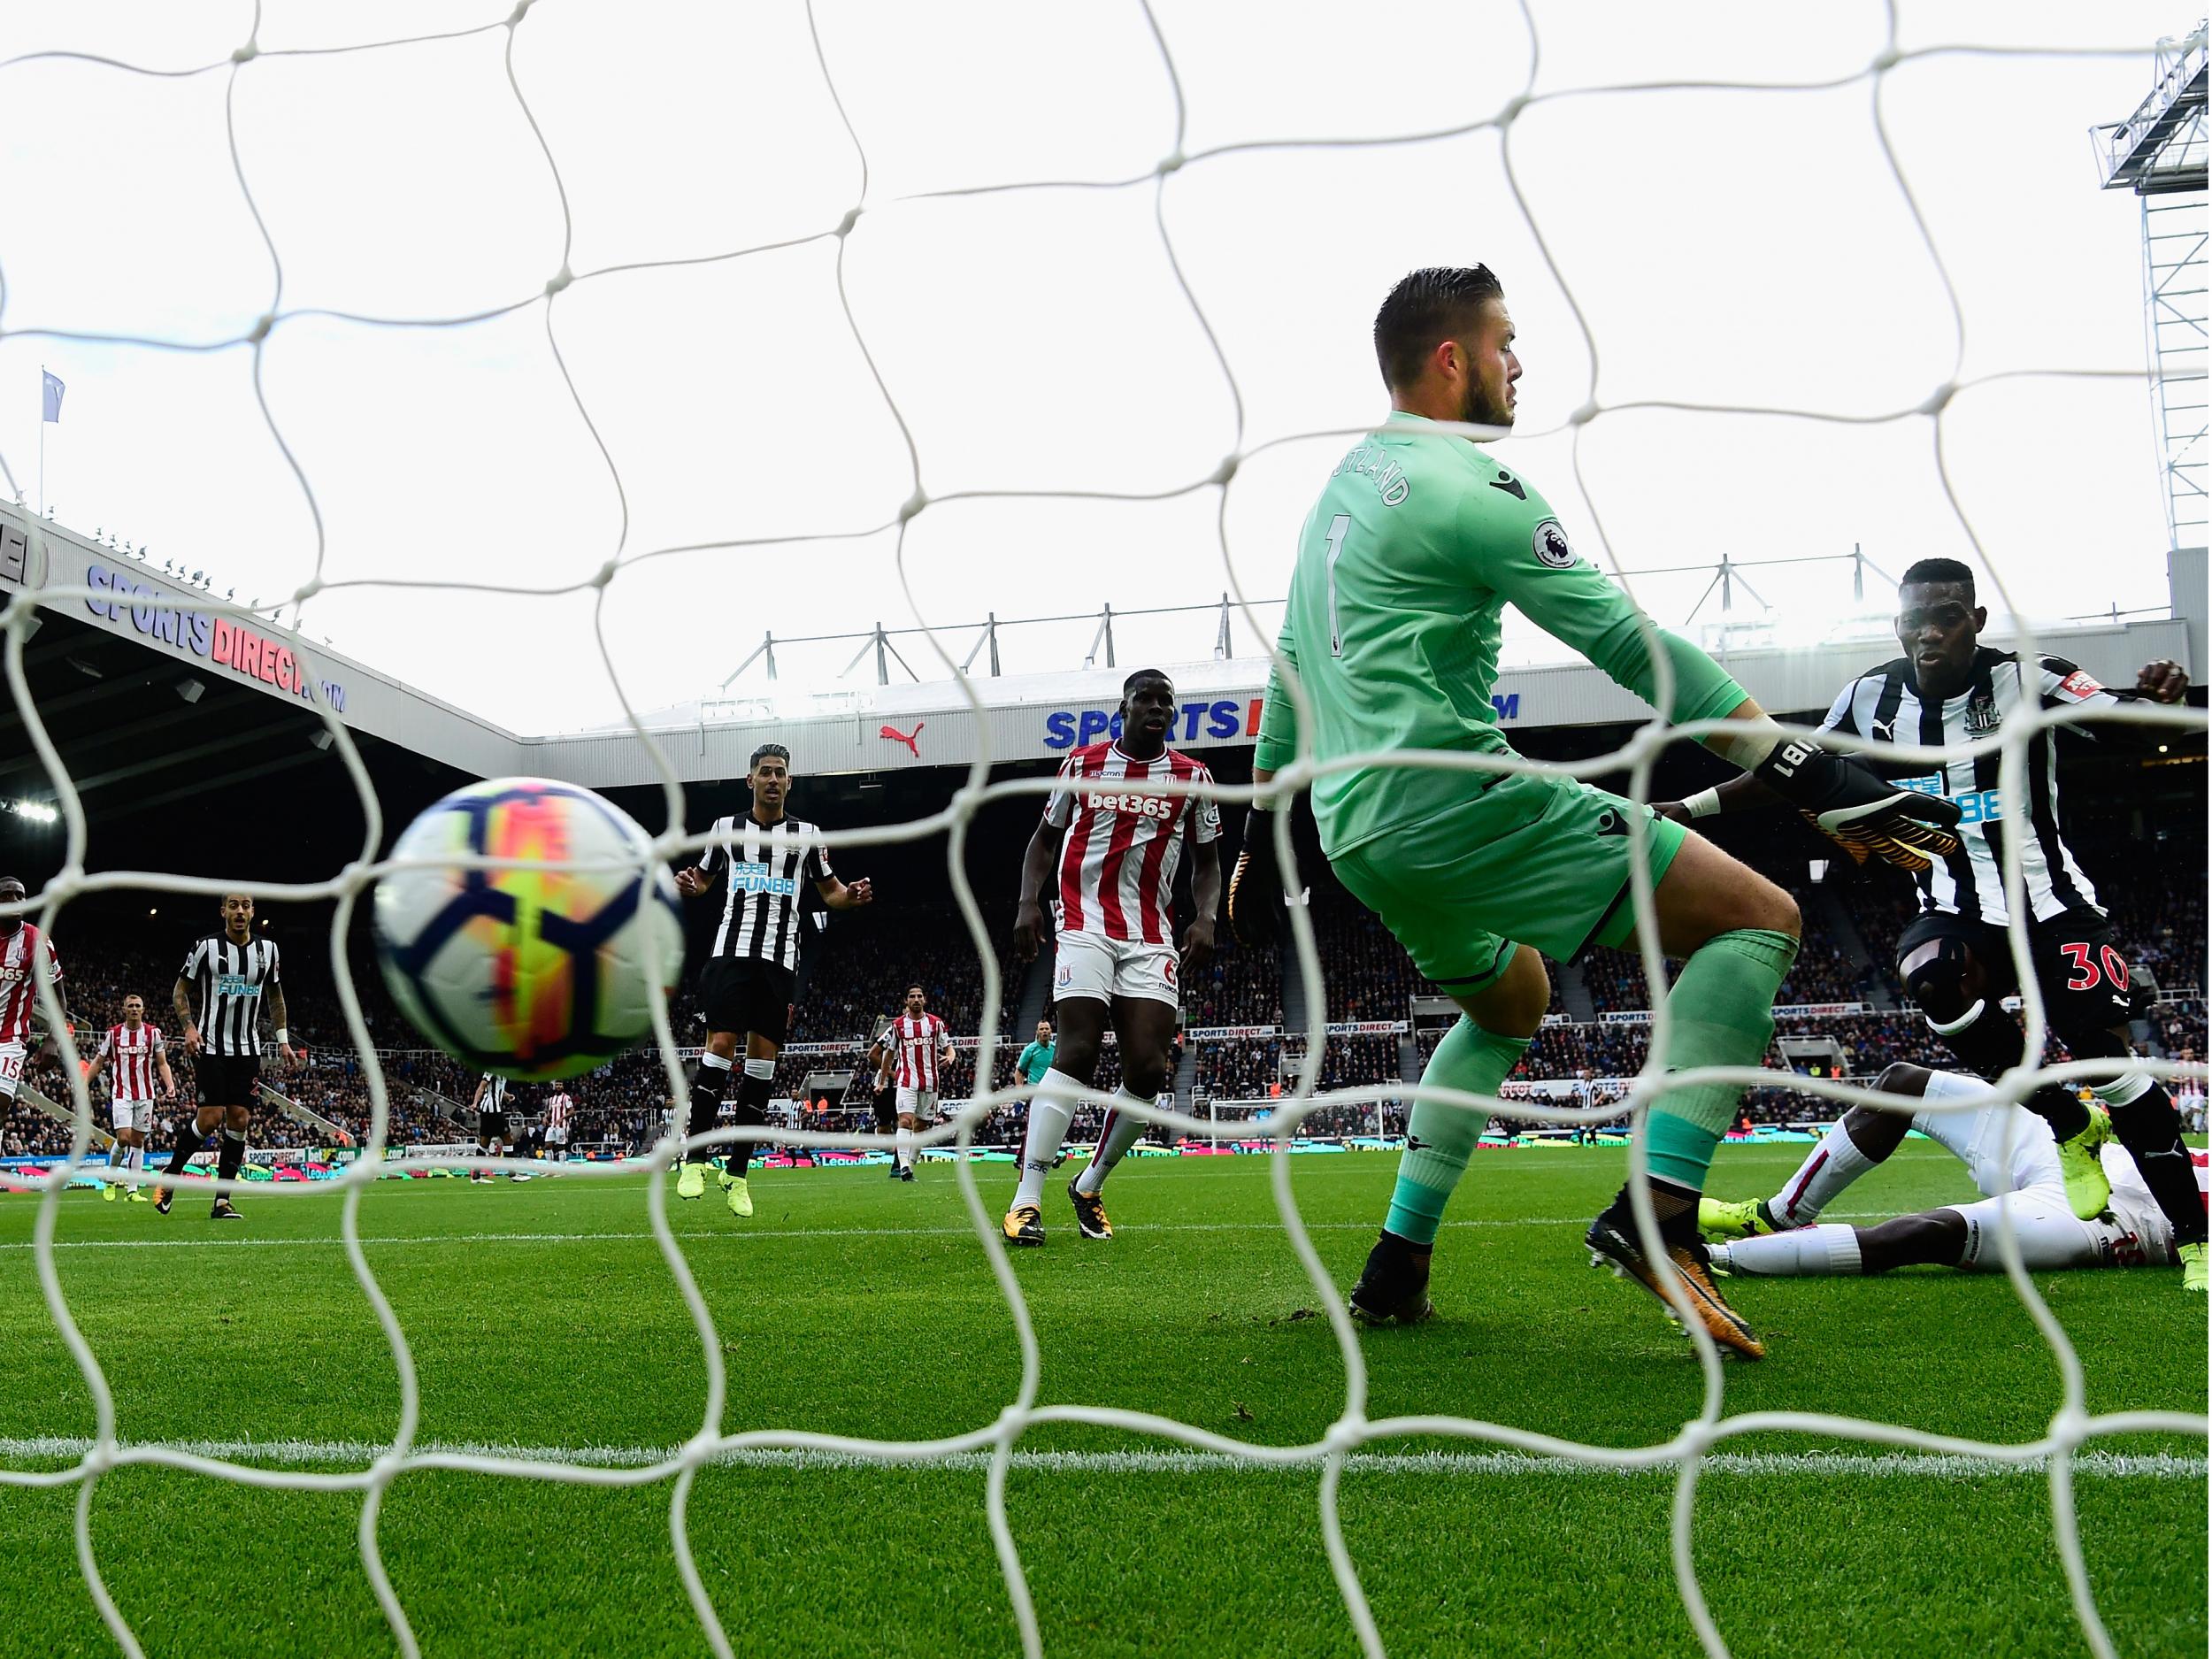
column 542, row 1315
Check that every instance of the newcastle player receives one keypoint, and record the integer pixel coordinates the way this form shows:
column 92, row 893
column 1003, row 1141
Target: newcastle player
column 218, row 995
column 748, row 983
column 1954, row 957
column 490, row 1104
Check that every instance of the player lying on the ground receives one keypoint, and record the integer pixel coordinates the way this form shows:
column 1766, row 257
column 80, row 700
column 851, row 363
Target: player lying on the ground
column 1118, row 845
column 1954, row 957
column 2013, row 1159
column 1418, row 544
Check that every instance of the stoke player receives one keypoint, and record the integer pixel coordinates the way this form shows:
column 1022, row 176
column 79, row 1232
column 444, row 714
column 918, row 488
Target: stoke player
column 918, row 1050
column 21, row 943
column 750, row 982
column 1954, row 957
column 1417, row 542
column 2014, row 1161
column 558, row 1107
column 136, row 1052
column 1112, row 846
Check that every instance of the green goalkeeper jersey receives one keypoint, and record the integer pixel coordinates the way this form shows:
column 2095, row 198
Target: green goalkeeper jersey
column 1405, row 565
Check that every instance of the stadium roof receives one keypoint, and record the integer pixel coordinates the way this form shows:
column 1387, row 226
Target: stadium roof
column 129, row 644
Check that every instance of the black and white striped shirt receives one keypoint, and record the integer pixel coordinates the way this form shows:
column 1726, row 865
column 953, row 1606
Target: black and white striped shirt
column 767, row 869
column 1885, row 705
column 229, row 981
column 494, row 1094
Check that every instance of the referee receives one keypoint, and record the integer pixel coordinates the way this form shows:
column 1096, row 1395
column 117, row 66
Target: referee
column 750, row 979
column 218, row 995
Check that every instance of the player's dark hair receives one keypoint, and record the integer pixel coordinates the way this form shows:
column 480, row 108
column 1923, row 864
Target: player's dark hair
column 1131, row 684
column 1939, row 570
column 1436, row 302
column 917, row 985
column 766, row 751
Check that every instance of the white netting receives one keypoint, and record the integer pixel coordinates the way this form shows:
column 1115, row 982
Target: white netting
column 2071, row 1422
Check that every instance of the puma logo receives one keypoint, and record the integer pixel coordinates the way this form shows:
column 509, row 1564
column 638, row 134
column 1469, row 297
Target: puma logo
column 1883, row 731
column 907, row 738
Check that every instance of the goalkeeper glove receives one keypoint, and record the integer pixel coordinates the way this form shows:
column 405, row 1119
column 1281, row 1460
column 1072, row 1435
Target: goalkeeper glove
column 1855, row 809
column 1256, row 884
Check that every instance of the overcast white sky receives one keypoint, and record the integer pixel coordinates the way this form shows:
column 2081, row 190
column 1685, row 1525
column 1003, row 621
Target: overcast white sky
column 1725, row 246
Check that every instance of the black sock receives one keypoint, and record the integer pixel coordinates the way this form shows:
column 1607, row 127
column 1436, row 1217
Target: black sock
column 2150, row 1128
column 752, row 1108
column 707, row 1083
column 189, row 1142
column 2057, row 1105
column 1676, row 1208
column 232, row 1154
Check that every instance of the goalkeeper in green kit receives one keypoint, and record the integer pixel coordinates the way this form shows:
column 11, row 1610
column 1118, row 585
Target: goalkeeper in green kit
column 1418, row 544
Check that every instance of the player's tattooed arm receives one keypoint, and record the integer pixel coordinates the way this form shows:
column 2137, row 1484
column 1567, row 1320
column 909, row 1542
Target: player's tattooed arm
column 1029, row 918
column 283, row 1026
column 840, row 895
column 182, row 999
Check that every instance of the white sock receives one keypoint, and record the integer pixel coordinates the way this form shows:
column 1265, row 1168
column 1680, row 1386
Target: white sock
column 1835, row 1163
column 1050, row 1108
column 1802, row 1250
column 1121, row 1133
column 905, row 1152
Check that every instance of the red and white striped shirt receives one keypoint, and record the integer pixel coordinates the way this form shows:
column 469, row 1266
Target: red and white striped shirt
column 1117, row 859
column 130, row 1056
column 18, row 981
column 557, row 1112
column 915, row 1043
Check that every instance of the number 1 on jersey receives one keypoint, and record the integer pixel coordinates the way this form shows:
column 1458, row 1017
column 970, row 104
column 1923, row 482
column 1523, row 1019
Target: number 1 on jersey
column 1338, row 525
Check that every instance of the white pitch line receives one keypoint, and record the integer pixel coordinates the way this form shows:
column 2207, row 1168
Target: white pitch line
column 1892, row 1465
column 233, row 1241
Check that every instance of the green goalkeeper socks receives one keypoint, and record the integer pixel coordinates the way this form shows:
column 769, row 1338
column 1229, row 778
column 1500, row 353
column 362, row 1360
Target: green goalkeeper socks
column 1439, row 1138
column 1720, row 1012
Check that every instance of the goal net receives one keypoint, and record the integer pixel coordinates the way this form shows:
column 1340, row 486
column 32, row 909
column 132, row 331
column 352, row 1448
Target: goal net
column 1224, row 465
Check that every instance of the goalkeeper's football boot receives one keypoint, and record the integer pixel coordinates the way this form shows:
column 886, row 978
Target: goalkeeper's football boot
column 739, row 1195
column 1090, row 1213
column 2087, row 1191
column 692, row 1183
column 1393, row 1286
column 1750, row 1219
column 163, row 1197
column 2193, row 1267
column 1614, row 1243
column 224, row 1210
column 1025, row 1224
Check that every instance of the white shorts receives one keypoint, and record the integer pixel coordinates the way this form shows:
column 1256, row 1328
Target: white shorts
column 11, row 1056
column 2050, row 1235
column 132, row 1114
column 1102, row 969
column 557, row 1135
column 916, row 1102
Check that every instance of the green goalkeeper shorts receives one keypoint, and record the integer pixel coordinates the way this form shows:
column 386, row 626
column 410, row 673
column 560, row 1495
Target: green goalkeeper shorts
column 1535, row 858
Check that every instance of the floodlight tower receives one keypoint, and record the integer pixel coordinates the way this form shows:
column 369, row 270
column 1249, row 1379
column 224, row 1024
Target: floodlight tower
column 2159, row 153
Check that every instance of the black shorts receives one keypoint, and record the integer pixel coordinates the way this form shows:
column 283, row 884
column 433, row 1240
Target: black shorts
column 491, row 1126
column 227, row 1079
column 2083, row 977
column 743, row 993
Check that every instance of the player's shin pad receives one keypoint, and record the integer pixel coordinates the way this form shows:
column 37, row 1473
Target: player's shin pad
column 1852, row 806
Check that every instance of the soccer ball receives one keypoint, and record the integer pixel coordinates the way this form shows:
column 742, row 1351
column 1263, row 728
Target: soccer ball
column 534, row 974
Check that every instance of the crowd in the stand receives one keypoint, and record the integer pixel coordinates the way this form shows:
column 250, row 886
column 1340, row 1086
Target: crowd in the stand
column 865, row 966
